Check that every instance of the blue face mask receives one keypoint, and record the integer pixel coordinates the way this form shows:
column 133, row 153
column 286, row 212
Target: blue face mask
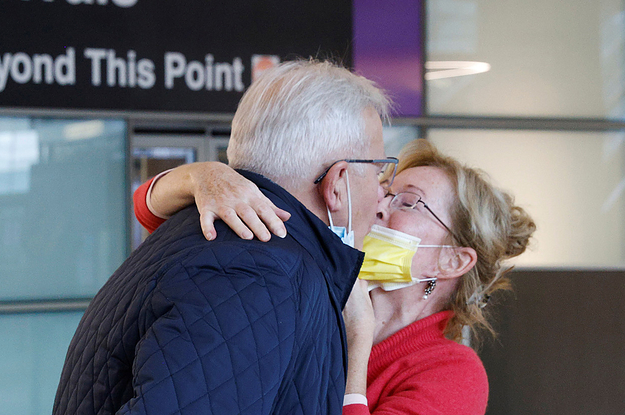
column 347, row 236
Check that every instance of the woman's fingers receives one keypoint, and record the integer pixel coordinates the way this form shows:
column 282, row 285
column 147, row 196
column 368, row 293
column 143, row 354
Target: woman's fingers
column 222, row 193
column 252, row 219
column 273, row 217
column 234, row 222
column 262, row 217
column 207, row 220
column 245, row 221
column 282, row 214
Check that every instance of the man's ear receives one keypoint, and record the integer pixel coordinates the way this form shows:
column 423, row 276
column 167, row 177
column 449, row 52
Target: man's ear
column 455, row 262
column 333, row 187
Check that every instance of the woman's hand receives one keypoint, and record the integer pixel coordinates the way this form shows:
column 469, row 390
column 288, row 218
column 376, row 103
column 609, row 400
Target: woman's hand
column 359, row 326
column 219, row 193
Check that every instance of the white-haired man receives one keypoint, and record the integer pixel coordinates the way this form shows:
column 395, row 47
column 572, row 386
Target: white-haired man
column 242, row 326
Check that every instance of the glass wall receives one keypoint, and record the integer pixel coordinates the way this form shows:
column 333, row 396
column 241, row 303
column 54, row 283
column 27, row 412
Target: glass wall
column 63, row 216
column 543, row 58
column 540, row 61
column 33, row 351
column 572, row 183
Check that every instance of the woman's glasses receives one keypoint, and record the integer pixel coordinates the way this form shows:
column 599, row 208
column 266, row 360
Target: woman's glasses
column 409, row 200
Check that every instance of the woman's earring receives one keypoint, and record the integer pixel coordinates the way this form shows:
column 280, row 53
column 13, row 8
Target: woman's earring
column 429, row 288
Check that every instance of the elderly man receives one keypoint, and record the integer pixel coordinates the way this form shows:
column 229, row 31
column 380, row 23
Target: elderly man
column 235, row 326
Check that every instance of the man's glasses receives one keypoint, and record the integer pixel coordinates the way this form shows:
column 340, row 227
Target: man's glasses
column 409, row 200
column 386, row 169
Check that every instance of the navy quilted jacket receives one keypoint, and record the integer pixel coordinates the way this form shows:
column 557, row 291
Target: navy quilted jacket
column 187, row 326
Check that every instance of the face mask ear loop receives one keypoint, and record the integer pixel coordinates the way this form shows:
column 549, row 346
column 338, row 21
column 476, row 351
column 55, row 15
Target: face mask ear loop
column 349, row 205
column 330, row 217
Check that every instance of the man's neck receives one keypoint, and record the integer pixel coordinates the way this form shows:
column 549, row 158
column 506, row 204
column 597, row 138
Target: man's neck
column 313, row 201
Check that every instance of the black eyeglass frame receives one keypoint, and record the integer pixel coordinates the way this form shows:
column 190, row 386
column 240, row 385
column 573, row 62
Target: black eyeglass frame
column 425, row 205
column 393, row 160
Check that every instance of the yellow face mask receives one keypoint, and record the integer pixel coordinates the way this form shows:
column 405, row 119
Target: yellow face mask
column 388, row 258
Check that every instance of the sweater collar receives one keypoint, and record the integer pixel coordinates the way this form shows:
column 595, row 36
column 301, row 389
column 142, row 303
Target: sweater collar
column 342, row 263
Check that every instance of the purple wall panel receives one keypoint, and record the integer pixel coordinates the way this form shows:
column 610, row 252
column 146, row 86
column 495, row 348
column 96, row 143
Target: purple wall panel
column 388, row 49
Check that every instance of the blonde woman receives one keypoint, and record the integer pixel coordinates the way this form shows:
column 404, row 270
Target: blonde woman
column 404, row 338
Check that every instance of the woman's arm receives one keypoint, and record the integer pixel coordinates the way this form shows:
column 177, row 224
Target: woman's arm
column 359, row 327
column 219, row 193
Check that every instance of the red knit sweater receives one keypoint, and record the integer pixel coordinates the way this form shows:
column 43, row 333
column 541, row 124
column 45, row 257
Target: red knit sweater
column 418, row 371
column 415, row 371
column 146, row 218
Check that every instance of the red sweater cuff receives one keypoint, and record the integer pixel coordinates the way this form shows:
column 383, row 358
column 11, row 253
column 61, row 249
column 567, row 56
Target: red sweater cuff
column 146, row 218
column 356, row 409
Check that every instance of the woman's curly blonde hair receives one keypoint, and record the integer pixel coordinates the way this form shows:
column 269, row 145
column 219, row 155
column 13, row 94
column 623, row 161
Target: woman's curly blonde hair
column 484, row 218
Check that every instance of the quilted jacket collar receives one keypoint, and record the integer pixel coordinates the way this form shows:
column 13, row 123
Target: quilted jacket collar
column 340, row 262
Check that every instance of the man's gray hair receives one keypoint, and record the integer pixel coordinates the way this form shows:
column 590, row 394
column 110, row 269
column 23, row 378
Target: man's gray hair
column 299, row 117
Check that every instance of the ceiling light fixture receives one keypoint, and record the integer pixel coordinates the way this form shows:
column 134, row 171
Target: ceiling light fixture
column 450, row 69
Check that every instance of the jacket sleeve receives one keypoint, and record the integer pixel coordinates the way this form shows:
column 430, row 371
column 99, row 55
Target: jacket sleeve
column 222, row 346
